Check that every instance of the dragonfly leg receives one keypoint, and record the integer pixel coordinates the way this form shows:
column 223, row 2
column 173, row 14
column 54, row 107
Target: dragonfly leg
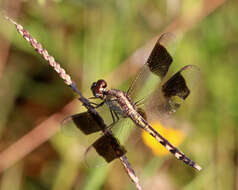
column 114, row 121
column 116, row 116
column 97, row 105
column 113, row 118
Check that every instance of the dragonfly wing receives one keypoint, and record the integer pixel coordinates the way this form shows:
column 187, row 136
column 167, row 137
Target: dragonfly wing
column 86, row 122
column 158, row 63
column 169, row 97
column 160, row 59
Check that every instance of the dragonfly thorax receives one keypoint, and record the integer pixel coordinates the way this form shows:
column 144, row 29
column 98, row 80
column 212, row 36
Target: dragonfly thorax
column 99, row 88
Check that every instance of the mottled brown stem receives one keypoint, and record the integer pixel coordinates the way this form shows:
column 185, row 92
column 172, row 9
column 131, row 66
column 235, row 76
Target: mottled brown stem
column 130, row 171
column 12, row 8
column 43, row 52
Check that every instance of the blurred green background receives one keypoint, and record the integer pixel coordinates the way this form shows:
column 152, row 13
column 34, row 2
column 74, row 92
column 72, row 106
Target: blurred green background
column 91, row 39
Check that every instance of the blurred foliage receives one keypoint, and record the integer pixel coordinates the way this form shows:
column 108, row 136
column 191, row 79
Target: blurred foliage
column 91, row 38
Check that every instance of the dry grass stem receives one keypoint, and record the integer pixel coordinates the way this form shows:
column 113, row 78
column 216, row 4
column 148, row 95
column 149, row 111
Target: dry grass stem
column 43, row 52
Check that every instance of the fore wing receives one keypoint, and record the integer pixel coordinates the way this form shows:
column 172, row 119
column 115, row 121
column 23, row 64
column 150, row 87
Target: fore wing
column 158, row 63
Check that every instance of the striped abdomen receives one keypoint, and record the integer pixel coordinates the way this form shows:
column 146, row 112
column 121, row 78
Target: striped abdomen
column 141, row 122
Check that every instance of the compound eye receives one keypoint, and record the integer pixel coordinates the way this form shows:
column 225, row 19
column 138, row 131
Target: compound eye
column 104, row 84
column 93, row 85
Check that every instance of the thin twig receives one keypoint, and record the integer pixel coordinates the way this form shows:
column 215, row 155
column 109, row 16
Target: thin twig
column 130, row 171
column 43, row 52
column 67, row 79
column 12, row 8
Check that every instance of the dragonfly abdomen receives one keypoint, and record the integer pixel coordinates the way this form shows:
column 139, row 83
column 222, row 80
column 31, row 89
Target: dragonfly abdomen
column 175, row 151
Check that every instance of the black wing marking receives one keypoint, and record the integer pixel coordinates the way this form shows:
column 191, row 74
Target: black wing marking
column 174, row 91
column 158, row 63
column 109, row 147
column 87, row 123
column 160, row 59
column 176, row 86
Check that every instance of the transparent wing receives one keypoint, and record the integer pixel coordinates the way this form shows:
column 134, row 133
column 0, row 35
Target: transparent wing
column 122, row 130
column 158, row 63
column 172, row 93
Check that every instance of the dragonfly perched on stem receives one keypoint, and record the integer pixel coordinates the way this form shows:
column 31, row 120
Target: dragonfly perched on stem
column 173, row 92
column 107, row 146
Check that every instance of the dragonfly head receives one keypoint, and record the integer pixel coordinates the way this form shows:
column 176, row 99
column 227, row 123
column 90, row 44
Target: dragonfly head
column 98, row 88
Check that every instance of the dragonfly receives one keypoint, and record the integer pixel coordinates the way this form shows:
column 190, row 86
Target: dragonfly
column 121, row 104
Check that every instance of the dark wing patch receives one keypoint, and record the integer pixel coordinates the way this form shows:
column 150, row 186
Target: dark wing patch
column 109, row 147
column 176, row 89
column 176, row 86
column 159, row 60
column 88, row 123
column 158, row 63
column 170, row 96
